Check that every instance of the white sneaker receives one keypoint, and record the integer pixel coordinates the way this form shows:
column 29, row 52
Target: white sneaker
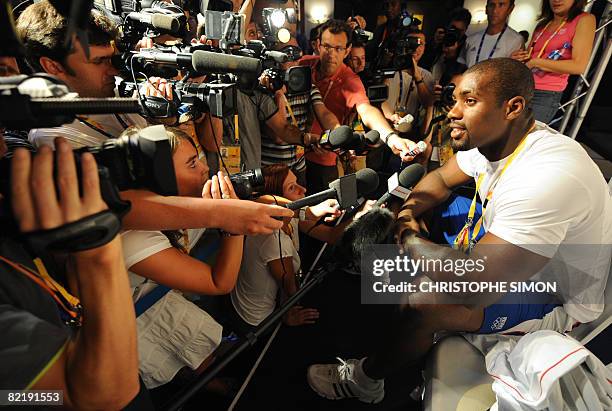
column 336, row 382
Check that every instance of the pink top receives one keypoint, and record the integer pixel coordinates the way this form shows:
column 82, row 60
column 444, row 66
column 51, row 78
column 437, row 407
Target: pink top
column 559, row 48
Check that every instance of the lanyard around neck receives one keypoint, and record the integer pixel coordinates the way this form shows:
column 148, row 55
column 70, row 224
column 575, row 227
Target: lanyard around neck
column 69, row 305
column 494, row 46
column 463, row 240
column 401, row 89
column 549, row 39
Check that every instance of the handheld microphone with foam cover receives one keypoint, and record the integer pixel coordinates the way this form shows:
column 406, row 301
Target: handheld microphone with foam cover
column 160, row 21
column 399, row 185
column 346, row 190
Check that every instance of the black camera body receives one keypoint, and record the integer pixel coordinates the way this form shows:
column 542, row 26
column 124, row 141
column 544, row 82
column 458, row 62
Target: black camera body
column 452, row 35
column 397, row 49
column 247, row 183
column 297, row 80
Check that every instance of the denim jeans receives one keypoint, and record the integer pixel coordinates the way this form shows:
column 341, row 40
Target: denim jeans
column 545, row 105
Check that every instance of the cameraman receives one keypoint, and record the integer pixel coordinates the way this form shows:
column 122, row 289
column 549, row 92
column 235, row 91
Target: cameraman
column 453, row 35
column 94, row 365
column 393, row 9
column 299, row 110
column 342, row 92
column 411, row 89
column 42, row 30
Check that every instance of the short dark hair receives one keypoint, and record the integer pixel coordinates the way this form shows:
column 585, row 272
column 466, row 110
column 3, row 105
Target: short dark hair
column 461, row 14
column 546, row 13
column 337, row 27
column 42, row 30
column 315, row 32
column 508, row 78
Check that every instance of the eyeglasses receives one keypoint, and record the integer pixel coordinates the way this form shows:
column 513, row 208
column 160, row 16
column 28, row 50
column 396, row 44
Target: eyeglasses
column 328, row 48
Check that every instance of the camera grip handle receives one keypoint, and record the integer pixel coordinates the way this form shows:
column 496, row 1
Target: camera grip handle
column 89, row 232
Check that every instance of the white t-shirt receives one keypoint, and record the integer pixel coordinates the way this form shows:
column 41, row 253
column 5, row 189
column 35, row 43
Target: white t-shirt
column 553, row 201
column 139, row 245
column 405, row 95
column 79, row 134
column 254, row 296
column 173, row 332
column 510, row 42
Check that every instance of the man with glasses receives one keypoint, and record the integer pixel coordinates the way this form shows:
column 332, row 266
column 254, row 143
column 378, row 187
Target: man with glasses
column 299, row 110
column 342, row 93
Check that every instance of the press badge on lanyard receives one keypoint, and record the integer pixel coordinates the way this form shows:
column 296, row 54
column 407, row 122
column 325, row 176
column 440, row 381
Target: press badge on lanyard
column 464, row 241
column 230, row 153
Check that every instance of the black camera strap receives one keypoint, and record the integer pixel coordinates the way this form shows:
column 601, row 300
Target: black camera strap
column 89, row 232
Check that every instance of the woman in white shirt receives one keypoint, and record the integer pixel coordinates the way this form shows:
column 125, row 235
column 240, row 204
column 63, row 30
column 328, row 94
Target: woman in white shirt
column 270, row 263
column 173, row 332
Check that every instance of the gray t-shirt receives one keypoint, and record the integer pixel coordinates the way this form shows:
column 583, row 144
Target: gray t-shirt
column 405, row 93
column 252, row 111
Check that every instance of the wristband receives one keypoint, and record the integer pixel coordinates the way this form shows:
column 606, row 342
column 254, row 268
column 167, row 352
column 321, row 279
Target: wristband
column 418, row 82
column 386, row 138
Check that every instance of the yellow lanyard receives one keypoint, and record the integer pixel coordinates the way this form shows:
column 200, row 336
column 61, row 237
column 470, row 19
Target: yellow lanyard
column 69, row 303
column 290, row 110
column 463, row 241
column 236, row 129
column 549, row 39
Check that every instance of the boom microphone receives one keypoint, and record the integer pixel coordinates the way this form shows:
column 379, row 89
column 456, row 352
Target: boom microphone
column 399, row 186
column 210, row 62
column 159, row 21
column 203, row 61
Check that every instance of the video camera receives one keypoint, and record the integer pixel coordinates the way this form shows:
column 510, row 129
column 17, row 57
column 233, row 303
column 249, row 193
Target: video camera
column 452, row 35
column 397, row 49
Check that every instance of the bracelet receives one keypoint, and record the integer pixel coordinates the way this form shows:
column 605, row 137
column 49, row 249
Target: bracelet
column 384, row 140
column 225, row 234
column 418, row 82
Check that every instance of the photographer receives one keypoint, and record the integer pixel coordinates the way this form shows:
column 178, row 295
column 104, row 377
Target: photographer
column 393, row 9
column 342, row 92
column 453, row 34
column 411, row 90
column 42, row 30
column 299, row 109
column 96, row 364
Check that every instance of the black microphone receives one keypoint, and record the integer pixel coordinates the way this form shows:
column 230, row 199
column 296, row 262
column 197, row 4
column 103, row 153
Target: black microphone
column 343, row 139
column 210, row 62
column 159, row 21
column 277, row 56
column 346, row 190
column 399, row 186
column 202, row 61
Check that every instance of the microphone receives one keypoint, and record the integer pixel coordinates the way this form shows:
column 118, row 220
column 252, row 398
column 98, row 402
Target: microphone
column 399, row 185
column 343, row 139
column 159, row 21
column 277, row 56
column 420, row 147
column 346, row 190
column 203, row 61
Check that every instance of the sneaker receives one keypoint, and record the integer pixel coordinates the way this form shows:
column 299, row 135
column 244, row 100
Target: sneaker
column 336, row 382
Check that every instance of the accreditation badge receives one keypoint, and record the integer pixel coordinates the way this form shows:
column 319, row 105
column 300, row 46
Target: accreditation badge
column 230, row 154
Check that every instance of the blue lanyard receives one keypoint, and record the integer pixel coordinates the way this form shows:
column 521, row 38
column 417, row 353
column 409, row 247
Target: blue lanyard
column 494, row 46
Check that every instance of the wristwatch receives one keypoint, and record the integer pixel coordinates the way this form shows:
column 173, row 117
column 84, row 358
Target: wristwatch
column 302, row 214
column 386, row 139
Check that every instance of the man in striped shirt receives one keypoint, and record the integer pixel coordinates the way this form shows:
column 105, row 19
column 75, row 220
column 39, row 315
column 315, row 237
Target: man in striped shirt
column 300, row 109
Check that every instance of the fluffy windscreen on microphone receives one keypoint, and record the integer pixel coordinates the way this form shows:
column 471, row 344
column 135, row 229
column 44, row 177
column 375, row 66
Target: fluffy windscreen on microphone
column 372, row 137
column 377, row 226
